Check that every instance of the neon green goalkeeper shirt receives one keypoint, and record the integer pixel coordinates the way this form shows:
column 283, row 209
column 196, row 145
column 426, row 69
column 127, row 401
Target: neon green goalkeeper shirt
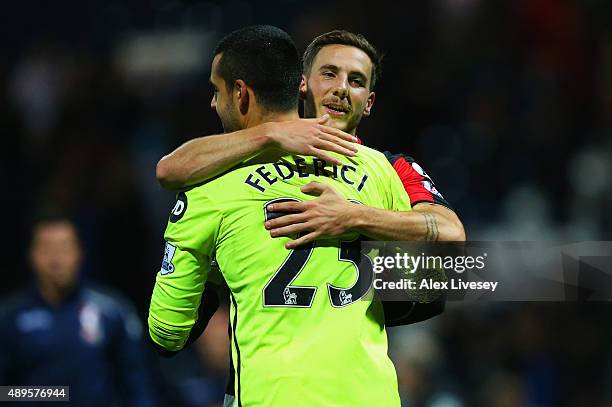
column 305, row 330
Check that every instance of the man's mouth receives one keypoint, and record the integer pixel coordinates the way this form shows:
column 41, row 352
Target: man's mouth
column 335, row 110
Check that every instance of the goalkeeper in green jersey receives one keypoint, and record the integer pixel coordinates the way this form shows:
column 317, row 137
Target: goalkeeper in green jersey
column 305, row 330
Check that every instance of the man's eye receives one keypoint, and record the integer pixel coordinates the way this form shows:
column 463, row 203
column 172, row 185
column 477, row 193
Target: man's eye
column 358, row 82
column 328, row 74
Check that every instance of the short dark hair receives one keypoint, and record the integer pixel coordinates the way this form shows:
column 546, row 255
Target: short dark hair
column 51, row 217
column 343, row 37
column 266, row 59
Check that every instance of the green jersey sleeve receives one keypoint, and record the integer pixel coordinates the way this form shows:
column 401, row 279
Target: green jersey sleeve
column 190, row 239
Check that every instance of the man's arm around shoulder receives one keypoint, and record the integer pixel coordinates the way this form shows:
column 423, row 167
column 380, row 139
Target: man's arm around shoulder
column 205, row 157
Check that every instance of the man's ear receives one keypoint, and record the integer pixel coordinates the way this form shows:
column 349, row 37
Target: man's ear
column 369, row 104
column 241, row 95
column 303, row 88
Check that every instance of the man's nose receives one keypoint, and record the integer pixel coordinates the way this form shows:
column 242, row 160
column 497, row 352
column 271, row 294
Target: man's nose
column 341, row 92
column 341, row 88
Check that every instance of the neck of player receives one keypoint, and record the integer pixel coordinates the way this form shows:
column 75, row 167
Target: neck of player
column 265, row 117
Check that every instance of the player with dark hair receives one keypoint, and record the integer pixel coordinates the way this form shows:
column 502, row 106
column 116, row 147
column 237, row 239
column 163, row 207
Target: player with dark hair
column 343, row 37
column 305, row 329
column 274, row 79
column 64, row 332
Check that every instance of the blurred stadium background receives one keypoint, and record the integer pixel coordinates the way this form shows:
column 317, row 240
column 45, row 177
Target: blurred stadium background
column 507, row 104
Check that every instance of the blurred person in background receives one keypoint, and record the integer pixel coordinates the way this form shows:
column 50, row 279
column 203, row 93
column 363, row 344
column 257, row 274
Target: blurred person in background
column 62, row 332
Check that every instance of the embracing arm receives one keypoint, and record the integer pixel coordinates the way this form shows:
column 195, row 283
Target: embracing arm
column 426, row 221
column 332, row 215
column 205, row 157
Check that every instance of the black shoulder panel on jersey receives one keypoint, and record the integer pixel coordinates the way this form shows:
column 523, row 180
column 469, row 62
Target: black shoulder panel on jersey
column 417, row 183
column 394, row 157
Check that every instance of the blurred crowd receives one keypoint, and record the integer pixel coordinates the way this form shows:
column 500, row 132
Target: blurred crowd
column 507, row 105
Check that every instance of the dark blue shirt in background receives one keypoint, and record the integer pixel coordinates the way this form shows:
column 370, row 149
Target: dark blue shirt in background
column 92, row 342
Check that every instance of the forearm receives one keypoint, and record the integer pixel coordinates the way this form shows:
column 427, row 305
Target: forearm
column 167, row 334
column 176, row 297
column 205, row 157
column 424, row 222
column 208, row 306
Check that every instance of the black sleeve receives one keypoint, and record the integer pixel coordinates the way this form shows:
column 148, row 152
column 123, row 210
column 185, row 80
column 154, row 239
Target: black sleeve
column 399, row 313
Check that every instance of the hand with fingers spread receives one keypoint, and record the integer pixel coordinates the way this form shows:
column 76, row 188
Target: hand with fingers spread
column 202, row 158
column 328, row 215
column 312, row 137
